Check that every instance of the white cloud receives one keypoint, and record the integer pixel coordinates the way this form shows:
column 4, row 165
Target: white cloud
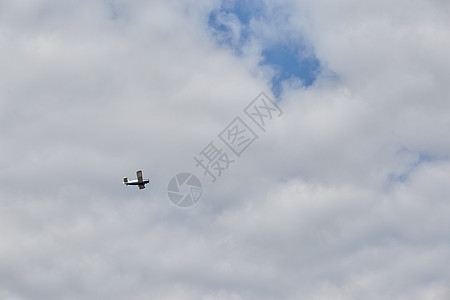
column 335, row 200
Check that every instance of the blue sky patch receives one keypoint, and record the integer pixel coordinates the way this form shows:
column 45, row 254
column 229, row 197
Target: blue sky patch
column 232, row 27
column 289, row 64
column 402, row 177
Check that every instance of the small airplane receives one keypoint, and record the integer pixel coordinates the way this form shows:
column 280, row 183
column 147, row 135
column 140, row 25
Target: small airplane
column 140, row 182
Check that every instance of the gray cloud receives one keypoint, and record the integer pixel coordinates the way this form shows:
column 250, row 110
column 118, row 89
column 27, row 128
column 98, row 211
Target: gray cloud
column 344, row 196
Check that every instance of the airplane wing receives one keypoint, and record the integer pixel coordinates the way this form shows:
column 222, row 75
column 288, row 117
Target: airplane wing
column 141, row 186
column 139, row 177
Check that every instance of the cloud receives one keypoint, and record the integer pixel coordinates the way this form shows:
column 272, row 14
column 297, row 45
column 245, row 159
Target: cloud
column 265, row 29
column 343, row 196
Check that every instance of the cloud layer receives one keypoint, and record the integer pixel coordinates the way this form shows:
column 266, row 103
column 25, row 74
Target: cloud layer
column 345, row 196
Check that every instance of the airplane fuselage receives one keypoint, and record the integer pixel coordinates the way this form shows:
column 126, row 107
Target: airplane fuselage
column 140, row 182
column 136, row 182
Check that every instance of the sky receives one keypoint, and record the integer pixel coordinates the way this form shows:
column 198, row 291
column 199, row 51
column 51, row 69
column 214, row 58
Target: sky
column 343, row 194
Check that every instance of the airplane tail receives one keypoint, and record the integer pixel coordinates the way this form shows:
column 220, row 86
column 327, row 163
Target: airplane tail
column 125, row 180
